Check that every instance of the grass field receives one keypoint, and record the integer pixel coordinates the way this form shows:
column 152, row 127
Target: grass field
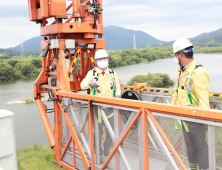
column 36, row 158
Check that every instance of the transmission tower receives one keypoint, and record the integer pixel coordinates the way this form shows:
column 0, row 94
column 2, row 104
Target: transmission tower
column 22, row 49
column 134, row 42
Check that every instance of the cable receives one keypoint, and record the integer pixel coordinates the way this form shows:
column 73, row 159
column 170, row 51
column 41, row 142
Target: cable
column 51, row 96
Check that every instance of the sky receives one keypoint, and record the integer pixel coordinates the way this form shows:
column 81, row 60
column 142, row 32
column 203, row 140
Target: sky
column 165, row 20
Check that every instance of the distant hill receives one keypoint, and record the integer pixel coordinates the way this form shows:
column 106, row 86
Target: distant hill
column 116, row 38
column 8, row 52
column 211, row 39
column 32, row 44
column 121, row 38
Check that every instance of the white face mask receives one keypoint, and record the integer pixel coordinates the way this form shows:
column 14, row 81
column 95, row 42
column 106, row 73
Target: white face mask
column 102, row 64
column 176, row 60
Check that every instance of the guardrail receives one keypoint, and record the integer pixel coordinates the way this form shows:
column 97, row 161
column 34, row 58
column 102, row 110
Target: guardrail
column 139, row 142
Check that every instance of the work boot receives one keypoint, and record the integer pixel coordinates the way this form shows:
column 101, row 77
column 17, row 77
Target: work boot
column 106, row 151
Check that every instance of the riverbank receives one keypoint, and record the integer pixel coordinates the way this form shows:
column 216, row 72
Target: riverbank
column 30, row 67
column 36, row 158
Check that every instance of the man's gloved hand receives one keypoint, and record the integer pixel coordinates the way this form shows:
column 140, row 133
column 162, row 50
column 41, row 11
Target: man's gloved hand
column 117, row 96
column 93, row 85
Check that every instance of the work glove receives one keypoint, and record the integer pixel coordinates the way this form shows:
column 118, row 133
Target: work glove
column 93, row 85
column 117, row 96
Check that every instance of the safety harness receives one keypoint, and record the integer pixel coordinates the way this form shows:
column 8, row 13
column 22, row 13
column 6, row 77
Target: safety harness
column 113, row 83
column 191, row 96
column 113, row 87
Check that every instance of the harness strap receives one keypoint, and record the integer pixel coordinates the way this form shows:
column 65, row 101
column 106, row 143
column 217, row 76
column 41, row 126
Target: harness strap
column 188, row 84
column 184, row 124
column 111, row 72
column 95, row 79
column 100, row 117
column 188, row 87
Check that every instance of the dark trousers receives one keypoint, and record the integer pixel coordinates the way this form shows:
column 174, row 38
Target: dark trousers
column 197, row 148
column 108, row 141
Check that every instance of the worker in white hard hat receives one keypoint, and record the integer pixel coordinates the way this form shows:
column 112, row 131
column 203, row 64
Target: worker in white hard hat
column 192, row 90
column 103, row 81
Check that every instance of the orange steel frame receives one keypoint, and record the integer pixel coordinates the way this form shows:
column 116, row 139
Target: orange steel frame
column 40, row 11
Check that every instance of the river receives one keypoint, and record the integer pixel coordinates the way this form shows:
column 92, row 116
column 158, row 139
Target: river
column 28, row 125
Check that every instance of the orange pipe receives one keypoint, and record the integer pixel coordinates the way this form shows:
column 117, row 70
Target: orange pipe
column 46, row 123
column 121, row 140
column 67, row 166
column 76, row 6
column 91, row 135
column 67, row 145
column 145, row 140
column 58, row 133
column 117, row 166
column 62, row 65
column 74, row 153
column 166, row 140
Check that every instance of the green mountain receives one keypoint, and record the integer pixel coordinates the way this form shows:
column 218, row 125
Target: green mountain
column 8, row 52
column 210, row 39
column 116, row 38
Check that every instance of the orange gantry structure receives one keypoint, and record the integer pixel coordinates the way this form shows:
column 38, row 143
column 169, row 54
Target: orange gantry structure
column 68, row 51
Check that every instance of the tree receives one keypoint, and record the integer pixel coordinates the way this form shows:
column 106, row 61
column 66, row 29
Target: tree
column 7, row 73
column 5, row 57
column 137, row 79
column 27, row 69
column 153, row 80
column 157, row 81
column 13, row 62
column 37, row 62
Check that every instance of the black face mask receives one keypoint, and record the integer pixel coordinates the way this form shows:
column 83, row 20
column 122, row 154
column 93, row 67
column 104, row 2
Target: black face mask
column 181, row 67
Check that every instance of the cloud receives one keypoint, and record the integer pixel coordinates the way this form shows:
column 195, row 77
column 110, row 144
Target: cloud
column 11, row 33
column 13, row 8
column 165, row 20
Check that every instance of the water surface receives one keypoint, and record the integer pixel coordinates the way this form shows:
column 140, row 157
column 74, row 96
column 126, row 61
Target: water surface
column 28, row 124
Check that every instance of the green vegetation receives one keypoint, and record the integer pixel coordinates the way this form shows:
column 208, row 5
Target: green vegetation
column 28, row 100
column 153, row 80
column 208, row 49
column 27, row 67
column 10, row 53
column 20, row 68
column 130, row 57
column 36, row 158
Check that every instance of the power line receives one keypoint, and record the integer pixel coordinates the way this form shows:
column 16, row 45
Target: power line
column 22, row 49
column 134, row 42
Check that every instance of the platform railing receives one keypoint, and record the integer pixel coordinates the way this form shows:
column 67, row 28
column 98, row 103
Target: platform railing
column 78, row 134
column 161, row 95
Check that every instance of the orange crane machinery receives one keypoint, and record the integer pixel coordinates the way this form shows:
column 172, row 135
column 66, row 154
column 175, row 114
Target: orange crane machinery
column 70, row 29
column 71, row 36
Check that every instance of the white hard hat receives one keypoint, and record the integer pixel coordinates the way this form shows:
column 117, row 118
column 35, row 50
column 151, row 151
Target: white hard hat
column 181, row 44
column 100, row 54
